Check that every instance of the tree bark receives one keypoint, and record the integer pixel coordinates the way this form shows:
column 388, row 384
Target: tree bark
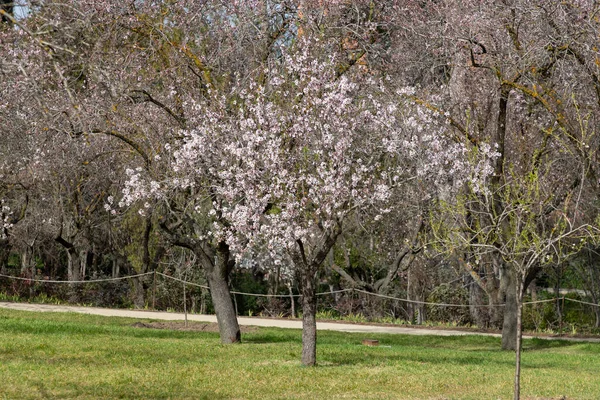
column 216, row 265
column 515, row 289
column 73, row 265
column 73, row 268
column 139, row 300
column 292, row 301
column 218, row 280
column 491, row 287
column 309, row 319
column 28, row 262
column 115, row 268
column 83, row 263
column 73, row 259
column 139, row 293
column 4, row 254
column 495, row 310
column 309, row 265
column 479, row 315
column 309, row 305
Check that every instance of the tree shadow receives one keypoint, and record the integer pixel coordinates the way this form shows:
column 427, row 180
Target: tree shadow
column 542, row 344
column 266, row 337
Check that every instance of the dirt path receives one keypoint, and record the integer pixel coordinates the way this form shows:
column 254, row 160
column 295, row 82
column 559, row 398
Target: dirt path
column 255, row 321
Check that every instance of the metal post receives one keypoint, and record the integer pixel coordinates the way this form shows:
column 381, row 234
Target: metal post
column 235, row 303
column 185, row 306
column 562, row 312
column 154, row 292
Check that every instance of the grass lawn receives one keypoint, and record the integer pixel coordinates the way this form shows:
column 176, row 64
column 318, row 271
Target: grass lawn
column 56, row 355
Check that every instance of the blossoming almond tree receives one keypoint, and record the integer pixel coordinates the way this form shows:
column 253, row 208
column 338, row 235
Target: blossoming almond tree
column 282, row 163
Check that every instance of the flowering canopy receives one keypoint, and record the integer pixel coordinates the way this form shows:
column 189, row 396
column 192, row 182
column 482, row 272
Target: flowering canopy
column 285, row 158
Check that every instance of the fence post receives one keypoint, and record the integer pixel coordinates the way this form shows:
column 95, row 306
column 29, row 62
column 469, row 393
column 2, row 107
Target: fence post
column 185, row 306
column 154, row 292
column 235, row 304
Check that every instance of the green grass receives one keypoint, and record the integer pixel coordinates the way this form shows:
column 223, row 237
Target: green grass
column 55, row 355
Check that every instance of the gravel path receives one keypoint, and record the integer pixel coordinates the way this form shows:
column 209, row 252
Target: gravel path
column 255, row 321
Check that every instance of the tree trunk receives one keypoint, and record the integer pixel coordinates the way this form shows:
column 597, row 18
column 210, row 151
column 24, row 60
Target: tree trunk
column 115, row 268
column 518, row 338
column 215, row 263
column 83, row 263
column 221, row 299
column 308, row 273
column 557, row 306
column 479, row 315
column 28, row 262
column 139, row 300
column 309, row 318
column 491, row 286
column 202, row 301
column 73, row 265
column 73, row 269
column 509, row 327
column 139, row 293
column 217, row 267
column 410, row 307
column 596, row 308
column 218, row 280
column 4, row 254
column 495, row 310
column 292, row 301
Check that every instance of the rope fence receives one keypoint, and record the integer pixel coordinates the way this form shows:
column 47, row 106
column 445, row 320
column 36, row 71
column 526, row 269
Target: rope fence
column 180, row 280
column 353, row 290
column 18, row 278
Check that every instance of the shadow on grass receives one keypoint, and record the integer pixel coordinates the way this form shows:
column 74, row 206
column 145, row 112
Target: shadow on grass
column 47, row 327
column 273, row 335
column 542, row 344
column 458, row 350
column 414, row 356
column 125, row 390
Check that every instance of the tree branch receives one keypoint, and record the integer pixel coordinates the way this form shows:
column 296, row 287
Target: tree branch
column 148, row 98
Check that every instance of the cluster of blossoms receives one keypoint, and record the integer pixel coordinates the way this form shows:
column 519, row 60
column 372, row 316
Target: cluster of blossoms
column 5, row 218
column 285, row 160
column 440, row 158
column 137, row 188
column 482, row 167
column 288, row 159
